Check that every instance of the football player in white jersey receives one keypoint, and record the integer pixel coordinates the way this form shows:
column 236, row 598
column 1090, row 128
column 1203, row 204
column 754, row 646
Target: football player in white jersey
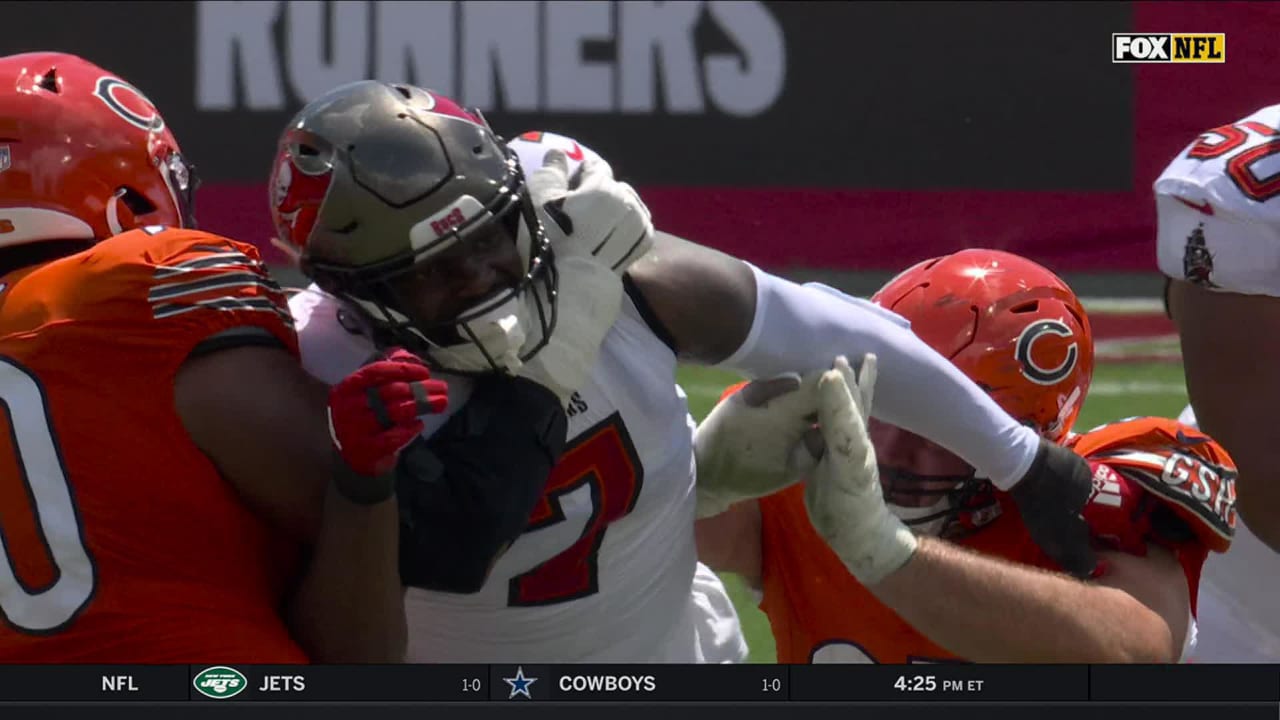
column 420, row 230
column 1218, row 241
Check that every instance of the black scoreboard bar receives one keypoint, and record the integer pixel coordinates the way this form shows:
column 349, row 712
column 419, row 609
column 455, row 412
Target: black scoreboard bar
column 947, row 682
column 916, row 684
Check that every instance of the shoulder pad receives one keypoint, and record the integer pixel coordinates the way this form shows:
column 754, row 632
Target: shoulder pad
column 199, row 272
column 1174, row 463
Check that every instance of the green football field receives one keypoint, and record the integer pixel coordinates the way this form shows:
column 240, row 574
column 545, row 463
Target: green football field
column 1118, row 391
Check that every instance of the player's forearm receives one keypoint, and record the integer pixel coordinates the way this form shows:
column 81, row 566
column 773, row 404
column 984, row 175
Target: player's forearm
column 988, row 610
column 730, row 542
column 349, row 606
column 802, row 328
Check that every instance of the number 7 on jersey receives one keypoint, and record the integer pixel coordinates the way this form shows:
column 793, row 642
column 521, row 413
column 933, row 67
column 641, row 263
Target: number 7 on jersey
column 605, row 459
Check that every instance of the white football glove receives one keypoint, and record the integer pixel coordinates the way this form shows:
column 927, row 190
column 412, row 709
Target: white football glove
column 843, row 495
column 589, row 288
column 753, row 443
column 591, row 213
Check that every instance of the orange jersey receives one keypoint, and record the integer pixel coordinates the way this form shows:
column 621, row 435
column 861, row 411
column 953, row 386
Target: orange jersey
column 820, row 613
column 1190, row 474
column 121, row 542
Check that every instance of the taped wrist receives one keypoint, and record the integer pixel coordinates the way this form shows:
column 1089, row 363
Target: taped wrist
column 361, row 489
column 468, row 491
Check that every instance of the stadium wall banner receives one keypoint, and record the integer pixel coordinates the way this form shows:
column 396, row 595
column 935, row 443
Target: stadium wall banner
column 793, row 134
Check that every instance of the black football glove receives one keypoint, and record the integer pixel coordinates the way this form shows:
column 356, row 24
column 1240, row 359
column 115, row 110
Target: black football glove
column 1051, row 499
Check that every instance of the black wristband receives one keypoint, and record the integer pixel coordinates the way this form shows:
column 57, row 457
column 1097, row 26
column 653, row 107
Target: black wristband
column 361, row 489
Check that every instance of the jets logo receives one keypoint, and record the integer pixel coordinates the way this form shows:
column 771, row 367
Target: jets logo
column 1036, row 372
column 220, row 682
column 129, row 103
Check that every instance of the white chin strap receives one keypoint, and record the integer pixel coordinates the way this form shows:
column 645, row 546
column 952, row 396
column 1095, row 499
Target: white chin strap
column 933, row 527
column 500, row 332
column 565, row 362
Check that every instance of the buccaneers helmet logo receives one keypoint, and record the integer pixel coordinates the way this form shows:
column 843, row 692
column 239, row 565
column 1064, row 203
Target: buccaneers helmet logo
column 296, row 195
column 1032, row 370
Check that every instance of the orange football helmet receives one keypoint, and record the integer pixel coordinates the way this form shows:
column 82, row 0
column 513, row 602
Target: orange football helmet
column 1014, row 328
column 84, row 155
column 1011, row 325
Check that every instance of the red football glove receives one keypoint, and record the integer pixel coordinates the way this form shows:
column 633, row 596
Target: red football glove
column 373, row 412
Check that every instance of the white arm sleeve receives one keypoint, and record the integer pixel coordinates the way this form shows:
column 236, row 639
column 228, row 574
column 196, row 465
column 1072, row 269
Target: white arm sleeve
column 802, row 328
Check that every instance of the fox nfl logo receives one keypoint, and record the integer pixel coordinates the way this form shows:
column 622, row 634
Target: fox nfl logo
column 1168, row 47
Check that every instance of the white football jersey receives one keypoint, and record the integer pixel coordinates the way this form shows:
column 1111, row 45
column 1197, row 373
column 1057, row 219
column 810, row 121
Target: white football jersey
column 1218, row 208
column 1239, row 594
column 607, row 570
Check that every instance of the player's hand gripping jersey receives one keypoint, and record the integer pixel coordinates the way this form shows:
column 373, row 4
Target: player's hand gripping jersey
column 121, row 542
column 1155, row 481
column 1218, row 206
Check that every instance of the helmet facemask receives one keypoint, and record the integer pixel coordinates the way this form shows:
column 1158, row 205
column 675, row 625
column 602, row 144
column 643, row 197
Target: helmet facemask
column 950, row 506
column 933, row 491
column 182, row 181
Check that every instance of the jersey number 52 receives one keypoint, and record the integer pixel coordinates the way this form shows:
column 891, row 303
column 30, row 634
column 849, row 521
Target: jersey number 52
column 1241, row 169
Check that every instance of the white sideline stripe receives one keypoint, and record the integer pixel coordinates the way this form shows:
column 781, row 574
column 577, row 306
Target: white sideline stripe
column 1123, row 305
column 1132, row 387
column 1105, row 388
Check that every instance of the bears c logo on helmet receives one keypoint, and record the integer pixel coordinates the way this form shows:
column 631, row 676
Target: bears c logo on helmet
column 1032, row 370
column 129, row 103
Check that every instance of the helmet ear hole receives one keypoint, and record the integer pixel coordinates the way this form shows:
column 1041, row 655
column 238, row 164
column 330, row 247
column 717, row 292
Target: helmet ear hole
column 49, row 81
column 137, row 203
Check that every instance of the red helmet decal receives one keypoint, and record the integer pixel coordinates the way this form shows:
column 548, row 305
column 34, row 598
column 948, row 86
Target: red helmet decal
column 129, row 103
column 441, row 105
column 296, row 197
